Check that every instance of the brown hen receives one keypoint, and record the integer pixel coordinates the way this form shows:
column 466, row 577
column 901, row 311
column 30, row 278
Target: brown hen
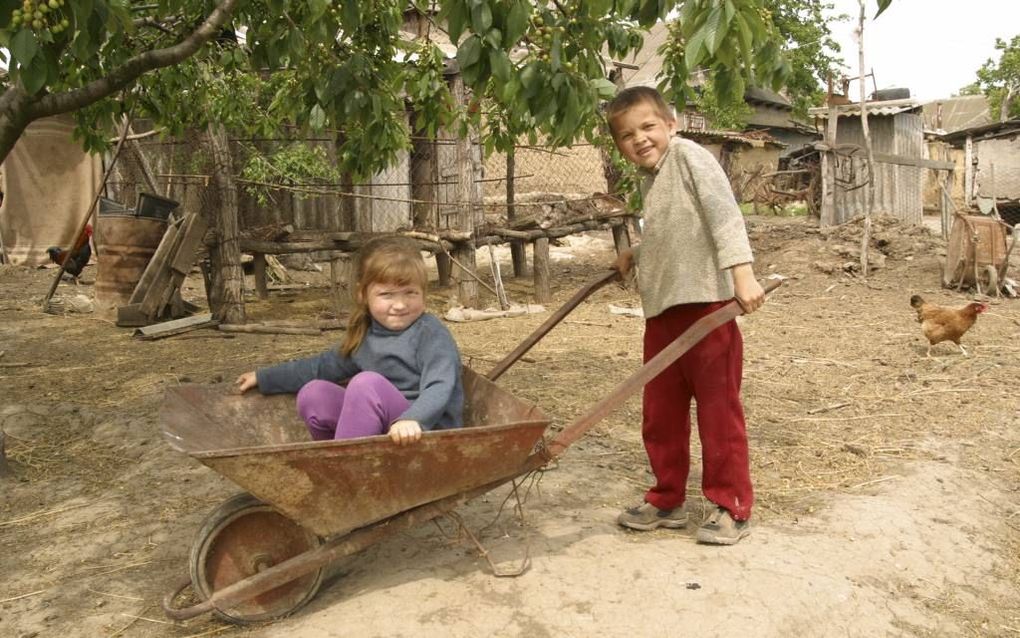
column 939, row 323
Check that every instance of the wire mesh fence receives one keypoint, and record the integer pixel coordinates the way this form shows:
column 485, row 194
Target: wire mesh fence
column 424, row 189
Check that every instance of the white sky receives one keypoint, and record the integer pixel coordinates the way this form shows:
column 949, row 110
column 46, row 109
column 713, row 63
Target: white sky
column 932, row 47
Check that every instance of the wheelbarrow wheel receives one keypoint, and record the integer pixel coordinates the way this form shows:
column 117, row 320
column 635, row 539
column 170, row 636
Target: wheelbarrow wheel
column 242, row 537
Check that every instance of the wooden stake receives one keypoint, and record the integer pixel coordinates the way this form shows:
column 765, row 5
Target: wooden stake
column 869, row 200
column 342, row 282
column 621, row 240
column 541, row 258
column 261, row 285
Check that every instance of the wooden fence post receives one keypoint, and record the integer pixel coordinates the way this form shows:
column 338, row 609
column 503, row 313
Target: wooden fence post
column 341, row 278
column 541, row 264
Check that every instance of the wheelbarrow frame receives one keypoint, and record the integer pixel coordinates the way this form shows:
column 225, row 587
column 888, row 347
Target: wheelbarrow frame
column 352, row 542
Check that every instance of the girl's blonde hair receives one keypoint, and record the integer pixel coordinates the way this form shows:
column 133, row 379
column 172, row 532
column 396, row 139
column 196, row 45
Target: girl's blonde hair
column 394, row 261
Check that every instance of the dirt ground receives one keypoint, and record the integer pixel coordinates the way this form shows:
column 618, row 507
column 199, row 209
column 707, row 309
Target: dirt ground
column 887, row 483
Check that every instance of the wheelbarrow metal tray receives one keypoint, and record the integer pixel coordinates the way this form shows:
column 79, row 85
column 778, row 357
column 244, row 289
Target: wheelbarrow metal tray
column 331, row 487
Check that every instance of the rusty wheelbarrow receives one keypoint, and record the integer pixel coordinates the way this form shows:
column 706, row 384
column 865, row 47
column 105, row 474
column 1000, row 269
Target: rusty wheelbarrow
column 262, row 554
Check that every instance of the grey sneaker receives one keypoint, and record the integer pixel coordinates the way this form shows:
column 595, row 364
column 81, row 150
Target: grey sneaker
column 647, row 517
column 721, row 529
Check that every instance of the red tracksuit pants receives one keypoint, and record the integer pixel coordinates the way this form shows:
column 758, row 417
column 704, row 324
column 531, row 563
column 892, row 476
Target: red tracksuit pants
column 710, row 373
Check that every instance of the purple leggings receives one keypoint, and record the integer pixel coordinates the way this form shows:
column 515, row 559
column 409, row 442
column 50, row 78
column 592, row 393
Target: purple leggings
column 366, row 407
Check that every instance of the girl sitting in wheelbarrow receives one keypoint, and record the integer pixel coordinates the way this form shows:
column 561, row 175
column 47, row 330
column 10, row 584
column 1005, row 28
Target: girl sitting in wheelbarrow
column 401, row 365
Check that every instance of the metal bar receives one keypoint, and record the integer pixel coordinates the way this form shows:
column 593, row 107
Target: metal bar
column 649, row 371
column 550, row 323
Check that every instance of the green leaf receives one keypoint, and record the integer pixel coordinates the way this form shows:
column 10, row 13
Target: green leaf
column 351, row 16
column 882, row 6
column 481, row 17
column 713, row 30
column 695, row 50
column 316, row 9
column 529, row 77
column 469, row 52
column 500, row 64
column 454, row 20
column 603, row 87
column 494, row 38
column 516, row 23
column 24, row 46
column 33, row 77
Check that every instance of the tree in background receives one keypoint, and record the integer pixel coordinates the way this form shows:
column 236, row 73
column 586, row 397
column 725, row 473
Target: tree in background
column 810, row 53
column 1000, row 81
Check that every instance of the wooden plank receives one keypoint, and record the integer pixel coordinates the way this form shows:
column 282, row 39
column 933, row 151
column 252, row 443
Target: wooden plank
column 827, row 216
column 179, row 263
column 968, row 172
column 156, row 261
column 187, row 250
column 903, row 160
column 175, row 327
column 255, row 328
column 156, row 294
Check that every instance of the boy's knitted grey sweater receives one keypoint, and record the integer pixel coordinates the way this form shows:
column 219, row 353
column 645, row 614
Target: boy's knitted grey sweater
column 693, row 231
column 422, row 361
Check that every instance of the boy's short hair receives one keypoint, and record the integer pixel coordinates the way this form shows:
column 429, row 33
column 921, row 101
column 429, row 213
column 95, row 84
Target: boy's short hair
column 628, row 98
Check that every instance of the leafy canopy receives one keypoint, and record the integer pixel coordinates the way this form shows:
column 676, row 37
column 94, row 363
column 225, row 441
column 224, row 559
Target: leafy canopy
column 537, row 67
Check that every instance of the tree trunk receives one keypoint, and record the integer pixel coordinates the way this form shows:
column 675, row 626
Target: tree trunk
column 424, row 182
column 227, row 275
column 467, row 287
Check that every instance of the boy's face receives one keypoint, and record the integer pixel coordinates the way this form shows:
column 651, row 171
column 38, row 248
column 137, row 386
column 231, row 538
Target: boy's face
column 642, row 134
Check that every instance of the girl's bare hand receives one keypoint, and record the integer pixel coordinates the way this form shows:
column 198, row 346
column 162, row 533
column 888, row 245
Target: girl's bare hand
column 246, row 382
column 405, row 432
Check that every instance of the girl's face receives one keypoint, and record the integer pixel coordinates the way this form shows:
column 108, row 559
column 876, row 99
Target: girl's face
column 393, row 306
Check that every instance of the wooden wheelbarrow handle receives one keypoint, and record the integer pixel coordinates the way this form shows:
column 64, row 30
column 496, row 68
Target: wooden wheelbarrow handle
column 698, row 330
column 550, row 323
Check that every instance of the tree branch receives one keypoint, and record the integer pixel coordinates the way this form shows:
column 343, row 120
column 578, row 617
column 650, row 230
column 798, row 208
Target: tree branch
column 118, row 78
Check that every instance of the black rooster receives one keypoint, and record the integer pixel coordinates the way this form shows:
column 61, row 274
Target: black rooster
column 74, row 260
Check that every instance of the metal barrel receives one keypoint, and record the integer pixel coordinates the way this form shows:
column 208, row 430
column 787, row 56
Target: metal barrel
column 125, row 244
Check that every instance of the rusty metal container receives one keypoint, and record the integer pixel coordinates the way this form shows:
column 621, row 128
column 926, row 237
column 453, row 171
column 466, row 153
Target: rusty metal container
column 332, row 487
column 976, row 251
column 125, row 244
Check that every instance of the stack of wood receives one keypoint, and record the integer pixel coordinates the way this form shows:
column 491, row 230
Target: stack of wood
column 157, row 296
column 553, row 210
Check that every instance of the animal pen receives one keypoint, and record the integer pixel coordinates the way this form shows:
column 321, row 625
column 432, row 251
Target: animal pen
column 439, row 193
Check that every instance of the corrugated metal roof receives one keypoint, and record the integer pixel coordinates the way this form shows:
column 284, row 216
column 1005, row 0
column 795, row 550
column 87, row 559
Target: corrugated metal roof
column 957, row 113
column 995, row 129
column 888, row 107
column 758, row 139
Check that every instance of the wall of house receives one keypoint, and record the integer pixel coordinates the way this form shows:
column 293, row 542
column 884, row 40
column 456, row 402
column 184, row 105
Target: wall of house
column 998, row 169
column 794, row 140
column 747, row 165
column 938, row 150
